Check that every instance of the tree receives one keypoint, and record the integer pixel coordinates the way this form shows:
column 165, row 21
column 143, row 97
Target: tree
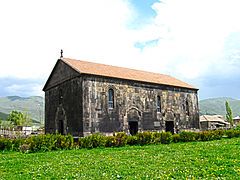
column 1, row 122
column 19, row 118
column 229, row 114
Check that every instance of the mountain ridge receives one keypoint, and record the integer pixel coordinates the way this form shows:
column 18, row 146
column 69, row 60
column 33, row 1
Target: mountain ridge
column 34, row 106
column 213, row 106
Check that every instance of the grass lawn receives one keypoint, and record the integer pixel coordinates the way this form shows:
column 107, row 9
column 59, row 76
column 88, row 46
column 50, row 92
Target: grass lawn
column 197, row 160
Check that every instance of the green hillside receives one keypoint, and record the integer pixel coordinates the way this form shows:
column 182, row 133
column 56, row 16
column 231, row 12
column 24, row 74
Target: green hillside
column 3, row 116
column 217, row 106
column 32, row 105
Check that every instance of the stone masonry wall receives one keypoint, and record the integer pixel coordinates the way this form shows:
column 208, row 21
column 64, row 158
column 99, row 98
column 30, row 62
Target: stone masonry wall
column 136, row 101
column 63, row 108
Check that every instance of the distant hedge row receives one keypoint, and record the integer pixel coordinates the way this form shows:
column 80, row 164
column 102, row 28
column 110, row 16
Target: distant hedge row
column 51, row 142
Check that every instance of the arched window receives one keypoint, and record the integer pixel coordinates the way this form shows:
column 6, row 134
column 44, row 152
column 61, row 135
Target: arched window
column 187, row 108
column 110, row 99
column 158, row 104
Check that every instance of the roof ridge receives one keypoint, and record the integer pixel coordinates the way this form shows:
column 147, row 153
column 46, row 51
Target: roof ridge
column 117, row 66
column 94, row 68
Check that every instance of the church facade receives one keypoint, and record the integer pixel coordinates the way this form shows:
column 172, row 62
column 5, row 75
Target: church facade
column 82, row 98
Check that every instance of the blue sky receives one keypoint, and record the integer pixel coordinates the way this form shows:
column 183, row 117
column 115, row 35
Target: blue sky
column 143, row 7
column 196, row 41
column 144, row 12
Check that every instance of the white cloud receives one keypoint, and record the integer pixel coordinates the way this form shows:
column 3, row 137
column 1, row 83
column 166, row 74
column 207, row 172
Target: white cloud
column 190, row 36
column 33, row 32
column 24, row 89
column 196, row 31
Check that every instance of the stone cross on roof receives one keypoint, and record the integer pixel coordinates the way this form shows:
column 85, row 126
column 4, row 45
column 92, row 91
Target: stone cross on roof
column 61, row 56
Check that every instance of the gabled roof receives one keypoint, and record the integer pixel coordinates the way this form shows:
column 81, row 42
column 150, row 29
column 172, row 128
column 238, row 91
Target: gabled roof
column 84, row 67
column 236, row 118
column 213, row 118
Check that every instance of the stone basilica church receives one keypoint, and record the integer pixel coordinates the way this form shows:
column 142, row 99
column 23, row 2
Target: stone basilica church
column 82, row 98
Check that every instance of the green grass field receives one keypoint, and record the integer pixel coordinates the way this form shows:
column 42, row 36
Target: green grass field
column 197, row 160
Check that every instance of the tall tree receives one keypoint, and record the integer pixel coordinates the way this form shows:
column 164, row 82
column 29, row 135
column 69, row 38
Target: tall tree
column 229, row 115
column 19, row 118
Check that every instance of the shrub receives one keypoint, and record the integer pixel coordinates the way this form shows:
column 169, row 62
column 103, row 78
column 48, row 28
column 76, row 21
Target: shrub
column 205, row 136
column 145, row 137
column 210, row 135
column 49, row 142
column 5, row 144
column 218, row 134
column 110, row 141
column 121, row 139
column 156, row 137
column 69, row 142
column 186, row 136
column 36, row 143
column 232, row 133
column 63, row 142
column 175, row 138
column 132, row 140
column 166, row 137
column 237, row 127
column 92, row 141
column 16, row 143
column 24, row 148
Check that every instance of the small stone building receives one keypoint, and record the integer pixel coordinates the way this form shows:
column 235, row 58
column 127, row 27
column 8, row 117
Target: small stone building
column 84, row 97
column 212, row 122
column 236, row 120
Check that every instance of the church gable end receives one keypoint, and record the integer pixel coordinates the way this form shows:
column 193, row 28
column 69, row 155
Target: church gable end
column 60, row 73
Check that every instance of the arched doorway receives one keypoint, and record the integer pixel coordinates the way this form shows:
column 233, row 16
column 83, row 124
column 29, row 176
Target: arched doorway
column 133, row 127
column 61, row 121
column 169, row 121
column 61, row 127
column 170, row 126
column 133, row 118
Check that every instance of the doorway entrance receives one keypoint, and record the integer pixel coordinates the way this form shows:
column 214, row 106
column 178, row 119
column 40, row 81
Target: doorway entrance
column 61, row 127
column 170, row 126
column 133, row 127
